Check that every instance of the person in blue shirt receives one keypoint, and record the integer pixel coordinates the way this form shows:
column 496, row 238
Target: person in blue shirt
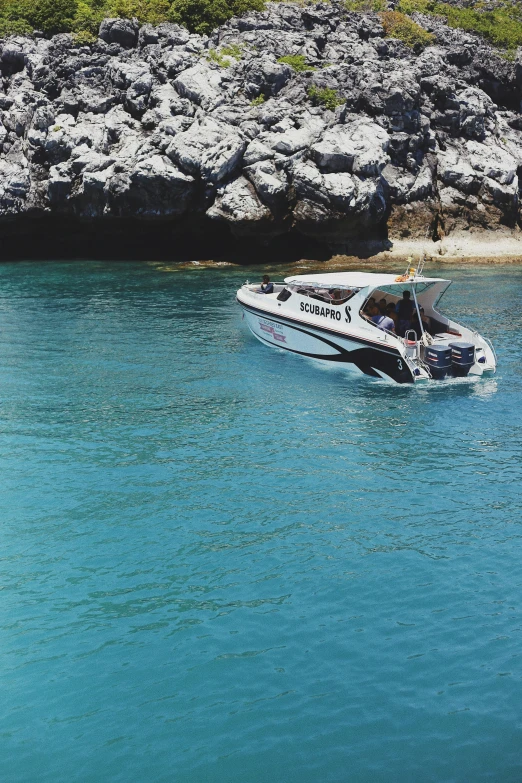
column 392, row 313
column 266, row 286
column 382, row 321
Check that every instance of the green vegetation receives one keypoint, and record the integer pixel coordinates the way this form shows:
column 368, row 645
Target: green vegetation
column 400, row 26
column 14, row 27
column 258, row 101
column 365, row 6
column 151, row 11
column 83, row 17
column 325, row 97
column 203, row 16
column 302, row 3
column 502, row 25
column 215, row 56
column 508, row 54
column 297, row 62
column 23, row 16
column 220, row 56
column 83, row 37
column 233, row 50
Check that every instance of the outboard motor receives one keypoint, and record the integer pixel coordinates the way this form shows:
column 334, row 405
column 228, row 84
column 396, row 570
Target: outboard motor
column 438, row 359
column 462, row 358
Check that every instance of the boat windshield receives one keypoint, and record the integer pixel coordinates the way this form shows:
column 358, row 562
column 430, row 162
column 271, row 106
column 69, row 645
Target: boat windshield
column 414, row 311
column 427, row 294
column 336, row 295
column 397, row 289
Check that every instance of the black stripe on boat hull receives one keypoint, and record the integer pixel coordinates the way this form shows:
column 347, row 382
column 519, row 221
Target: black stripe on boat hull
column 297, row 324
column 367, row 359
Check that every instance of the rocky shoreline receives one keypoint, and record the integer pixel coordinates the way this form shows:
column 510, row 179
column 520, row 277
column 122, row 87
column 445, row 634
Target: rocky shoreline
column 154, row 143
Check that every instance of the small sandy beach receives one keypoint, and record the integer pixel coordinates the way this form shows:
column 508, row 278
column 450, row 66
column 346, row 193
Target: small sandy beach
column 483, row 248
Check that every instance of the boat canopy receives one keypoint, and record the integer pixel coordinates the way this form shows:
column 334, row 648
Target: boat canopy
column 358, row 280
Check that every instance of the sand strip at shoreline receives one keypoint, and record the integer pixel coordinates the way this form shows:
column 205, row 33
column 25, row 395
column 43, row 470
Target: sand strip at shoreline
column 479, row 249
column 486, row 250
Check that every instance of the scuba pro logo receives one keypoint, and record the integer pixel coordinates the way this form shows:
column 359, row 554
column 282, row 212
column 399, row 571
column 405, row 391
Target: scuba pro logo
column 325, row 312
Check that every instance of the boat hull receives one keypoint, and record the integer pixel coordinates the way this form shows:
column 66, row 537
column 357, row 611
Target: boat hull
column 326, row 345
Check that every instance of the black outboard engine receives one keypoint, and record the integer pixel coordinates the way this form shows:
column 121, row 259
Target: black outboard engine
column 462, row 358
column 438, row 359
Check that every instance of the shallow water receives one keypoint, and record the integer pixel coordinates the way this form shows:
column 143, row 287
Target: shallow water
column 225, row 563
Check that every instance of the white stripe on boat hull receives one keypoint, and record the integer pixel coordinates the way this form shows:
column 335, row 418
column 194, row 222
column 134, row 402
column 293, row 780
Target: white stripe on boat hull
column 297, row 339
column 327, row 346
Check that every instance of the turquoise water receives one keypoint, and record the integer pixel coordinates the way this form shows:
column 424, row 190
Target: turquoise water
column 223, row 563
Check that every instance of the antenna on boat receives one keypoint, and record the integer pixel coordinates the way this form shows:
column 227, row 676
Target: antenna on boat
column 409, row 274
column 420, row 265
column 413, row 271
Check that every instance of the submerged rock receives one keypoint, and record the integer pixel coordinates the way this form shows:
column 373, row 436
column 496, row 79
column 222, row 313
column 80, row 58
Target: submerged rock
column 156, row 123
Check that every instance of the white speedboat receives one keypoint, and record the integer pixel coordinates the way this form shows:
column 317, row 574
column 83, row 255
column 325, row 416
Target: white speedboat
column 323, row 316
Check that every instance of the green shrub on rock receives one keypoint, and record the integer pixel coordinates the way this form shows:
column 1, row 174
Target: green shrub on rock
column 203, row 16
column 325, row 97
column 87, row 20
column 215, row 56
column 365, row 6
column 145, row 11
column 221, row 56
column 233, row 50
column 14, row 27
column 500, row 21
column 52, row 16
column 400, row 26
column 502, row 25
column 85, row 16
column 297, row 62
column 84, row 37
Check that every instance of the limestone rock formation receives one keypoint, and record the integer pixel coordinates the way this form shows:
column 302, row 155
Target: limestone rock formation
column 157, row 124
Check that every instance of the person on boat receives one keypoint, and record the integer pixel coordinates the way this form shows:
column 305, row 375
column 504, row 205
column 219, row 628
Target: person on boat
column 336, row 296
column 425, row 320
column 382, row 321
column 266, row 286
column 382, row 306
column 420, row 327
column 392, row 313
column 404, row 312
column 368, row 307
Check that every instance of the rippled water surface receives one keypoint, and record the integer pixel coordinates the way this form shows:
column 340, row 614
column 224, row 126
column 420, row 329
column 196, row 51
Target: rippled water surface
column 223, row 563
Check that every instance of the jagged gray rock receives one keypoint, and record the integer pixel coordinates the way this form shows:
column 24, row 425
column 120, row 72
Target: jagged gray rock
column 149, row 123
column 119, row 31
column 238, row 204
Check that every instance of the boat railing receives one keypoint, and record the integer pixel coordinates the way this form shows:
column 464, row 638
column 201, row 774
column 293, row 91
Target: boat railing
column 490, row 345
column 251, row 286
column 372, row 325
